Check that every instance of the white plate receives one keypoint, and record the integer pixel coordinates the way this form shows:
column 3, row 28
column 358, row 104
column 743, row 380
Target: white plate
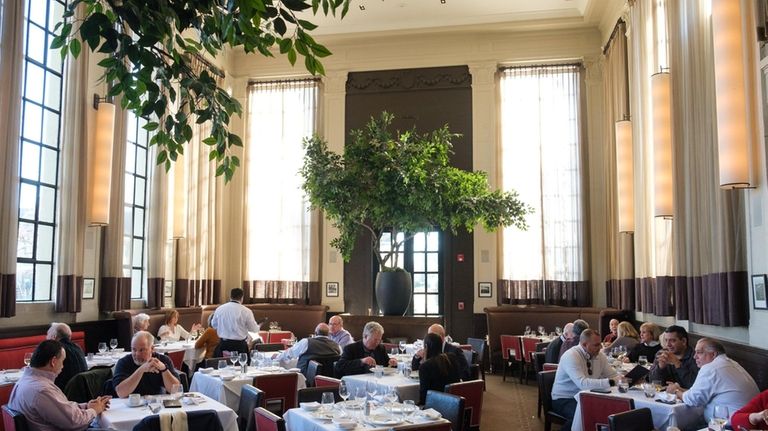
column 386, row 371
column 383, row 420
column 352, row 405
column 294, row 370
column 322, row 416
column 206, row 370
column 310, row 407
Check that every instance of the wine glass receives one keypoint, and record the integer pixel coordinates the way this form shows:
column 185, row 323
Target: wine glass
column 558, row 331
column 235, row 358
column 527, row 330
column 102, row 347
column 390, row 398
column 244, row 359
column 343, row 391
column 360, row 395
column 542, row 332
column 401, row 345
column 370, row 389
column 27, row 358
column 113, row 344
column 327, row 401
column 719, row 417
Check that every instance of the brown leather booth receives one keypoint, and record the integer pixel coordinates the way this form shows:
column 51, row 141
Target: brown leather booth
column 395, row 327
column 512, row 320
column 124, row 318
column 299, row 319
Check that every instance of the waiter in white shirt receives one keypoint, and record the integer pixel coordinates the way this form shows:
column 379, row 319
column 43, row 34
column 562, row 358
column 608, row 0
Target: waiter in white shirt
column 232, row 322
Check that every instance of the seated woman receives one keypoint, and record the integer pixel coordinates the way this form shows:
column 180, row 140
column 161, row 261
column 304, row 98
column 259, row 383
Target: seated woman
column 648, row 345
column 172, row 331
column 140, row 322
column 626, row 337
column 439, row 369
column 754, row 415
column 209, row 340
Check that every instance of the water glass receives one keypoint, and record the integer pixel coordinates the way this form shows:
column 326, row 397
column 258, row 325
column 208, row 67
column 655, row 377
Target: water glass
column 113, row 344
column 719, row 417
column 409, row 408
column 102, row 347
column 642, row 360
column 327, row 401
column 177, row 391
column 649, row 389
column 222, row 364
column 378, row 372
column 154, row 404
column 623, row 386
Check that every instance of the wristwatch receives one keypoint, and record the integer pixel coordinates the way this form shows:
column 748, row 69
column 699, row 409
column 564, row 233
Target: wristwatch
column 164, row 370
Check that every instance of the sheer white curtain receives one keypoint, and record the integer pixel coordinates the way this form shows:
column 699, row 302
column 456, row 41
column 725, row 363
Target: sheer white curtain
column 281, row 231
column 541, row 159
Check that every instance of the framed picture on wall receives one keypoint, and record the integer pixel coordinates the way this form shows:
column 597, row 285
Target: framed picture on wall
column 759, row 300
column 332, row 289
column 168, row 288
column 89, row 285
column 485, row 289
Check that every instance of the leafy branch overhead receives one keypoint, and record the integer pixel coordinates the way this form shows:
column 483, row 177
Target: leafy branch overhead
column 400, row 183
column 150, row 56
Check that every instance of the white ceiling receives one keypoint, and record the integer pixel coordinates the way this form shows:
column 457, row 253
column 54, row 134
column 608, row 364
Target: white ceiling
column 432, row 15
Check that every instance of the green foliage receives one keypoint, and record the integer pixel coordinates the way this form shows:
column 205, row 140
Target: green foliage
column 149, row 62
column 400, row 183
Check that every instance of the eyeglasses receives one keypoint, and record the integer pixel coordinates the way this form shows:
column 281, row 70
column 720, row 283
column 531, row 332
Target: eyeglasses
column 589, row 367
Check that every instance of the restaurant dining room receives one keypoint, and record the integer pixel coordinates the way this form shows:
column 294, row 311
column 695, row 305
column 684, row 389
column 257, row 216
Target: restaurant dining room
column 323, row 215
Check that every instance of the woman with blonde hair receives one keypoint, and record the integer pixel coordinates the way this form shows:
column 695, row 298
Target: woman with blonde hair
column 649, row 343
column 172, row 331
column 626, row 336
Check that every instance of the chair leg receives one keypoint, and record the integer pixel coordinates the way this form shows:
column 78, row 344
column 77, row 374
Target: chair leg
column 504, row 370
column 547, row 423
column 538, row 408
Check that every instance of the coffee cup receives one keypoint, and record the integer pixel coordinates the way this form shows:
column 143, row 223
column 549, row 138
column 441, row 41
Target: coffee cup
column 134, row 400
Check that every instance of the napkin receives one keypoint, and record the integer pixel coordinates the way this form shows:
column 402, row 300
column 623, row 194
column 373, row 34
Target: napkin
column 430, row 414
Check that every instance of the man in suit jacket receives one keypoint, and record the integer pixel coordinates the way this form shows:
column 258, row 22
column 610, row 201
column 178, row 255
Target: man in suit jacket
column 552, row 355
column 360, row 356
column 447, row 348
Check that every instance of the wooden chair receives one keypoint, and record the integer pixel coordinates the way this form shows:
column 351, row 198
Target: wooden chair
column 325, row 382
column 13, row 420
column 177, row 358
column 250, row 398
column 307, row 395
column 595, row 409
column 546, row 380
column 632, row 420
column 538, row 365
column 268, row 421
column 472, row 391
column 449, row 405
column 276, row 337
column 511, row 353
column 279, row 391
column 478, row 345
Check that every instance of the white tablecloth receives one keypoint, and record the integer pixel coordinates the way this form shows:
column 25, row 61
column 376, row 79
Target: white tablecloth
column 105, row 360
column 120, row 417
column 301, row 420
column 228, row 393
column 191, row 355
column 406, row 388
column 685, row 416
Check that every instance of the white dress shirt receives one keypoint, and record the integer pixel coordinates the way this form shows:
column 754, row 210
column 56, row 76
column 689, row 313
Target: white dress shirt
column 573, row 375
column 233, row 321
column 721, row 382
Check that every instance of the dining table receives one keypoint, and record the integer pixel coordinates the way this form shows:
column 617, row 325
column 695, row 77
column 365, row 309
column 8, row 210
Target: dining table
column 299, row 419
column 212, row 385
column 106, row 359
column 192, row 355
column 122, row 417
column 406, row 388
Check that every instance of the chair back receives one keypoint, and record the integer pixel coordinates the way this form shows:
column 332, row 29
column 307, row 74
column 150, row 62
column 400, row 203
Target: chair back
column 268, row 421
column 198, row 420
column 538, row 361
column 307, row 395
column 250, row 398
column 474, row 372
column 279, row 391
column 440, row 426
column 529, row 347
column 276, row 337
column 214, row 362
column 632, row 420
column 595, row 409
column 546, row 380
column 449, row 405
column 469, row 355
column 85, row 386
column 478, row 345
column 472, row 391
column 268, row 347
column 184, row 380
column 325, row 382
column 312, row 370
column 548, row 366
column 510, row 347
column 13, row 420
column 177, row 358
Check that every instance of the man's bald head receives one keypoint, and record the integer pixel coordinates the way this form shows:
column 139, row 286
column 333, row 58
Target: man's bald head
column 437, row 329
column 322, row 329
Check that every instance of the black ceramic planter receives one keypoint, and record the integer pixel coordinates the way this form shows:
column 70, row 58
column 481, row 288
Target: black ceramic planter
column 393, row 292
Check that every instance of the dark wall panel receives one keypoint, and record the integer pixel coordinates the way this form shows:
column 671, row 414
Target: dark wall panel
column 427, row 99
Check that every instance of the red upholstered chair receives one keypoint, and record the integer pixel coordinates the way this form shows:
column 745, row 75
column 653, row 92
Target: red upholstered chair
column 13, row 420
column 548, row 366
column 177, row 358
column 264, row 336
column 277, row 336
column 595, row 409
column 511, row 353
column 279, row 391
column 268, row 421
column 472, row 391
column 325, row 381
column 528, row 345
column 5, row 395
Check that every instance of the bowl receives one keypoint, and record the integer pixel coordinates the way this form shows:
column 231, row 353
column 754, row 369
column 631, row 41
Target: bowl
column 311, row 406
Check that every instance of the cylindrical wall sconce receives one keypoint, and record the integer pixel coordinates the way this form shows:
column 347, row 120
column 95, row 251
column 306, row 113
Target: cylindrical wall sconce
column 661, row 99
column 100, row 163
column 735, row 88
column 625, row 181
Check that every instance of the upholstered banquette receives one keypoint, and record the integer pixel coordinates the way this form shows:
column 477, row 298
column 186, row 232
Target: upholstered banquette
column 12, row 349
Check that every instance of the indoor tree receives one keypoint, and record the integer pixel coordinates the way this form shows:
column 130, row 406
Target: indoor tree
column 150, row 45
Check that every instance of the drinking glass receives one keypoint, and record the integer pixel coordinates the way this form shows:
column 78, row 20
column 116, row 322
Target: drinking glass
column 360, row 395
column 558, row 331
column 154, row 404
column 234, row 357
column 719, row 417
column 222, row 364
column 401, row 345
column 102, row 347
column 27, row 358
column 409, row 408
column 642, row 360
column 177, row 391
column 343, row 391
column 327, row 401
column 370, row 389
column 649, row 389
column 244, row 360
column 113, row 343
column 527, row 330
column 393, row 352
column 390, row 398
column 542, row 332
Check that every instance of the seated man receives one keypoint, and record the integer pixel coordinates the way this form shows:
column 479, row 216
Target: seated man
column 720, row 381
column 581, row 368
column 144, row 371
column 579, row 326
column 360, row 356
column 447, row 348
column 75, row 361
column 552, row 354
column 318, row 347
column 43, row 404
column 676, row 362
column 341, row 336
